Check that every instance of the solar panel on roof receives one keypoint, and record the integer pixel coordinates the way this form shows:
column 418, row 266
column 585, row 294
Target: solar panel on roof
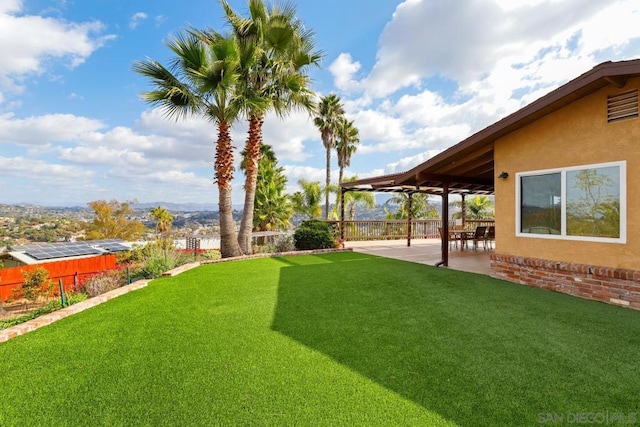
column 114, row 247
column 41, row 251
column 51, row 253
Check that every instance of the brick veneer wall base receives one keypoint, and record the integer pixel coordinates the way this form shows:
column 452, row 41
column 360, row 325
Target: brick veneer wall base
column 611, row 285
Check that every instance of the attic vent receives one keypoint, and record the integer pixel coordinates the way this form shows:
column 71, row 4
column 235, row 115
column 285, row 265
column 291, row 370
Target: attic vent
column 622, row 106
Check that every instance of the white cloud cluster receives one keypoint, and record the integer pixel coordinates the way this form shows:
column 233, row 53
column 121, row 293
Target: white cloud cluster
column 27, row 42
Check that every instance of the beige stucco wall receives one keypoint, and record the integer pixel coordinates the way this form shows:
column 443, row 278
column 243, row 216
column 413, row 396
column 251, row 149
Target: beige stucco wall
column 578, row 134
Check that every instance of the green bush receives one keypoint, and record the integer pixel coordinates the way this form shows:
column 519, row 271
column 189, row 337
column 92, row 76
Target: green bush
column 210, row 254
column 313, row 234
column 36, row 285
column 154, row 258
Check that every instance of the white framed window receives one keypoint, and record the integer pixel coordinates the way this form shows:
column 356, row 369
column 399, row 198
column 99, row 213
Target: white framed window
column 586, row 203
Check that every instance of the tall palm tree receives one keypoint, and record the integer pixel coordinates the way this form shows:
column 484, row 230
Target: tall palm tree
column 163, row 219
column 272, row 209
column 347, row 144
column 201, row 79
column 328, row 112
column 276, row 54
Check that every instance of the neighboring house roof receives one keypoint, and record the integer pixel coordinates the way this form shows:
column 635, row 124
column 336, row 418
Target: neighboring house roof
column 38, row 253
column 467, row 167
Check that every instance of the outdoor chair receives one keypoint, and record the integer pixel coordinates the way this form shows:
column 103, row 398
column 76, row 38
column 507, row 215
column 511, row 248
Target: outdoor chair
column 452, row 239
column 490, row 237
column 479, row 236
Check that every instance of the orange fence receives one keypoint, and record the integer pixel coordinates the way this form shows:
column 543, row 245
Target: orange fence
column 70, row 271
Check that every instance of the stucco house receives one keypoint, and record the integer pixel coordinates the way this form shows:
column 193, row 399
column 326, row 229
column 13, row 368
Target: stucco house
column 565, row 172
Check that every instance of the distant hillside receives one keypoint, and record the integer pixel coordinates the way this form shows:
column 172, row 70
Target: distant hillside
column 182, row 207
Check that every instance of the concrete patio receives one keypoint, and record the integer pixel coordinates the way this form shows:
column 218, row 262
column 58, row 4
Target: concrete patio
column 427, row 251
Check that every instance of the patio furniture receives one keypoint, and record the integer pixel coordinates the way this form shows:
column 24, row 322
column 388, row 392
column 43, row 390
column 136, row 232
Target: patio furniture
column 479, row 236
column 464, row 236
column 454, row 237
column 490, row 237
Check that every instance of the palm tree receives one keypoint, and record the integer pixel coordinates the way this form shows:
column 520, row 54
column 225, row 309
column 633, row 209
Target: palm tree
column 163, row 219
column 347, row 144
column 477, row 207
column 420, row 206
column 272, row 209
column 353, row 199
column 307, row 201
column 201, row 79
column 276, row 53
column 328, row 112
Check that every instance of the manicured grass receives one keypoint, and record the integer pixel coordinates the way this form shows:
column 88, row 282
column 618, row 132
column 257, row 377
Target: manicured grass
column 335, row 339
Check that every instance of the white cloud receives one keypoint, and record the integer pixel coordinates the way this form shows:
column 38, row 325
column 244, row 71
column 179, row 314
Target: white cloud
column 160, row 19
column 343, row 70
column 21, row 167
column 27, row 42
column 464, row 43
column 287, row 135
column 309, row 173
column 46, row 129
column 8, row 6
column 407, row 163
column 137, row 19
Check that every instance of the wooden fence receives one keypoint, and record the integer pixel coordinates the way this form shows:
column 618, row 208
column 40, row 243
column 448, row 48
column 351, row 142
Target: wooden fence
column 70, row 271
column 396, row 229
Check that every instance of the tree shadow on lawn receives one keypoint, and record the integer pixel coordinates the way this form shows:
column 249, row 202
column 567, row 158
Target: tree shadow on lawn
column 476, row 350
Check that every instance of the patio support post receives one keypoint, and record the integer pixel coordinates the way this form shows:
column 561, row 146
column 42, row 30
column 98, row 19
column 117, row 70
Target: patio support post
column 445, row 226
column 341, row 214
column 409, row 219
column 464, row 208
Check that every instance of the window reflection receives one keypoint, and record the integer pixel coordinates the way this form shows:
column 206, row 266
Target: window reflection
column 541, row 210
column 593, row 202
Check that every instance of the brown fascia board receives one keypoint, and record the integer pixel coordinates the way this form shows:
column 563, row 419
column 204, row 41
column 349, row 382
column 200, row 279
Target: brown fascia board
column 579, row 87
column 387, row 180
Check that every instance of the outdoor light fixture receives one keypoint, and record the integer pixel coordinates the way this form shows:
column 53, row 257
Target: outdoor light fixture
column 503, row 175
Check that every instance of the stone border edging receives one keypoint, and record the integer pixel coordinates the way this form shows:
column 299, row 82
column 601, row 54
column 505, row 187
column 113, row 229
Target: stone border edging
column 47, row 319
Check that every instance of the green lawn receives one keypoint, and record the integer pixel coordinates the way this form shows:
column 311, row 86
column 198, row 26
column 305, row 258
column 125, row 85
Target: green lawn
column 335, row 339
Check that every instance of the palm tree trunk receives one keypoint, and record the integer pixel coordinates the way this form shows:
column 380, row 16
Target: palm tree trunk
column 341, row 169
column 224, row 174
column 327, row 184
column 252, row 146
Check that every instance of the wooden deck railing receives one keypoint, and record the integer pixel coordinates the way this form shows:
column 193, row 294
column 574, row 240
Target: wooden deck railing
column 395, row 229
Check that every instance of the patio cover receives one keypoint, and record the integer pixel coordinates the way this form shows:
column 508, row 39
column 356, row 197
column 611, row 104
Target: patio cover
column 468, row 167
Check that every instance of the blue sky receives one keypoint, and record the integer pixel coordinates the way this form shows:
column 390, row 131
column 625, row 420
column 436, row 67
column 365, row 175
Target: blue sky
column 416, row 76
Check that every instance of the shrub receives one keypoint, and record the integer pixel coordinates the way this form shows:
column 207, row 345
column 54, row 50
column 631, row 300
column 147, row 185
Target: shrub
column 103, row 282
column 211, row 254
column 36, row 285
column 313, row 234
column 154, row 258
column 76, row 297
column 285, row 244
